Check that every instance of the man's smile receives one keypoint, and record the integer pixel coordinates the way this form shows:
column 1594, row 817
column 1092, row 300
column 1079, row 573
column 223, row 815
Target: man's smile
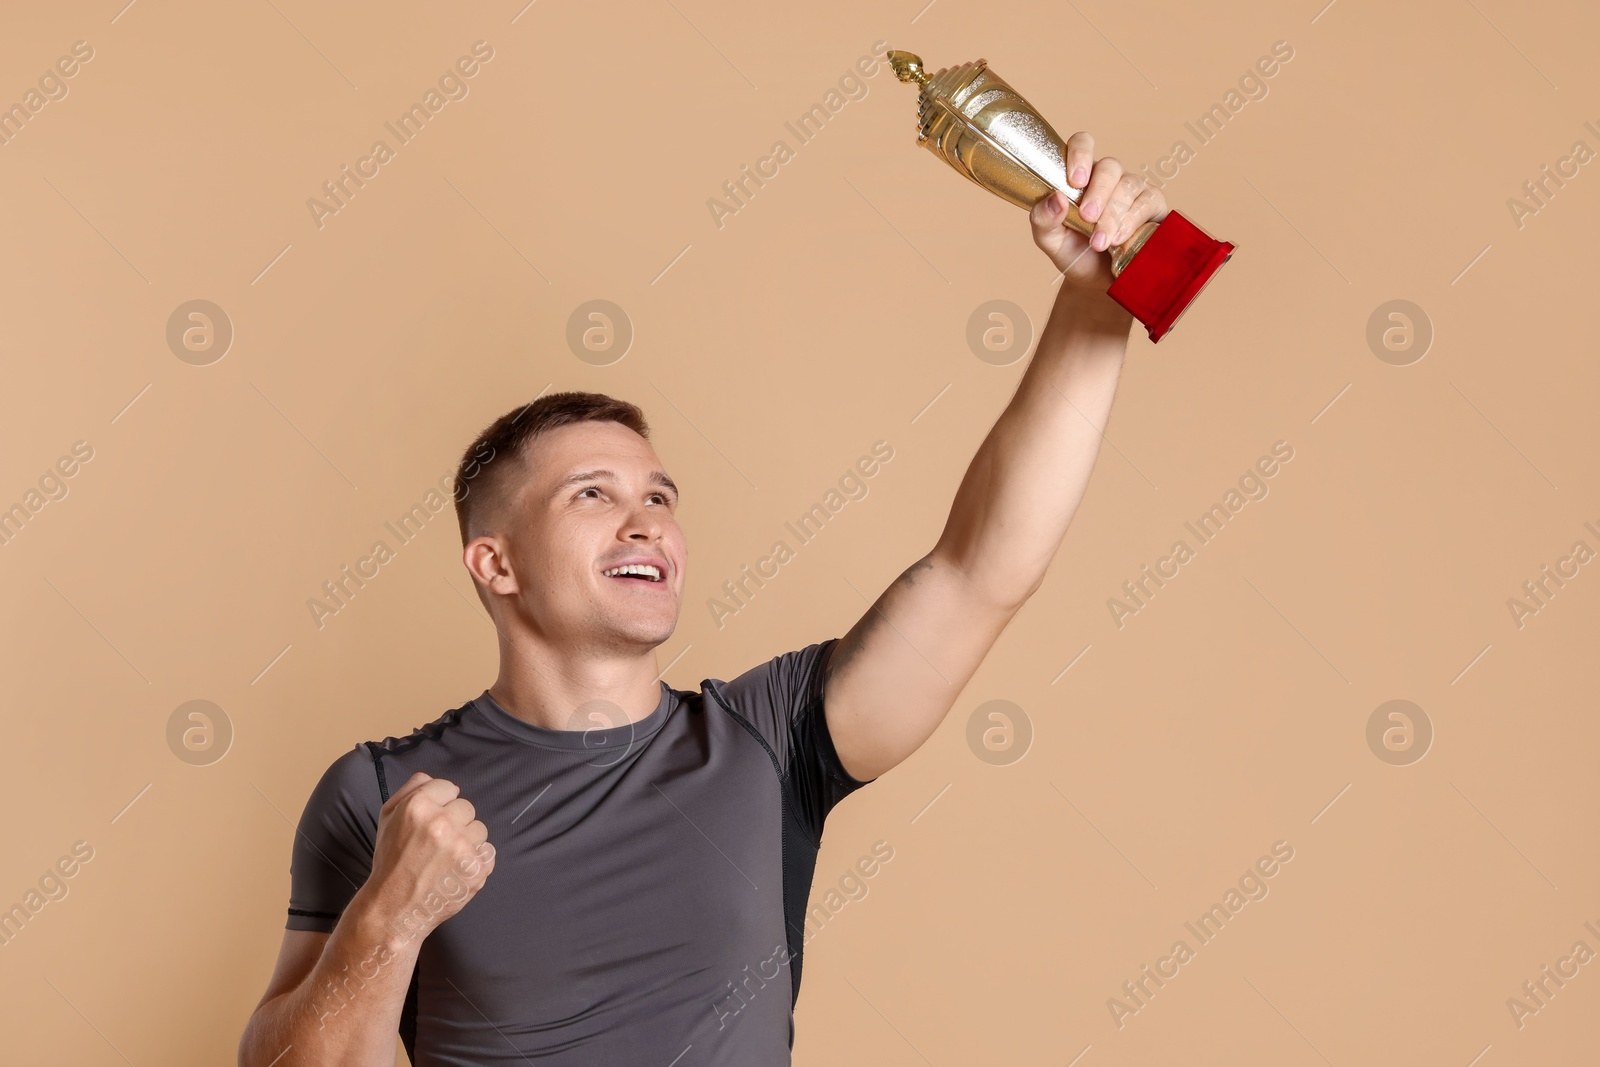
column 639, row 571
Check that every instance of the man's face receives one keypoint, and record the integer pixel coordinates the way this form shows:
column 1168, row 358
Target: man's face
column 595, row 496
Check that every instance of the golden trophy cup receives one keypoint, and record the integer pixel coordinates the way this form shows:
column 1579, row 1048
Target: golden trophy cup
column 986, row 131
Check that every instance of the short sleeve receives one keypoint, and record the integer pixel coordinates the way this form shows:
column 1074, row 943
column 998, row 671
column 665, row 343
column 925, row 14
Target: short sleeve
column 783, row 699
column 332, row 854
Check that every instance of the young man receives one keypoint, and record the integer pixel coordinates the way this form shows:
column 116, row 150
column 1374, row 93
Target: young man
column 624, row 867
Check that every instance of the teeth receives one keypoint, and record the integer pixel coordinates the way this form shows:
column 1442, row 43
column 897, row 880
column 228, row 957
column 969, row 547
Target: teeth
column 636, row 568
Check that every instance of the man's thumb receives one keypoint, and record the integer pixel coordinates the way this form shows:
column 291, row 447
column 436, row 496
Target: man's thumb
column 1047, row 212
column 415, row 782
column 1047, row 217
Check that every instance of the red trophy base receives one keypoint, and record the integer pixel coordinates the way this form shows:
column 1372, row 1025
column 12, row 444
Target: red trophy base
column 1168, row 272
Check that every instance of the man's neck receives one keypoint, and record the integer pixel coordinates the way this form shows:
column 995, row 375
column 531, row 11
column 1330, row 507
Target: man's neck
column 567, row 689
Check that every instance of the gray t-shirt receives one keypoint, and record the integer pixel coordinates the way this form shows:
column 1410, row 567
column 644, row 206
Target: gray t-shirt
column 647, row 905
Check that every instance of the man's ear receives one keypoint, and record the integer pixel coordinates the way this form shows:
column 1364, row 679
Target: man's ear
column 489, row 564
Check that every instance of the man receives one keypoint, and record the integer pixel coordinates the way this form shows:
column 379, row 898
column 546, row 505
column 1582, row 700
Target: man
column 583, row 865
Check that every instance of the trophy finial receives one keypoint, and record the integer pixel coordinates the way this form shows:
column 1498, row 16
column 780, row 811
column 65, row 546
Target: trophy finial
column 907, row 66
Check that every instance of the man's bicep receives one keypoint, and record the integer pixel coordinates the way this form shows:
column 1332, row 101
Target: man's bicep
column 892, row 679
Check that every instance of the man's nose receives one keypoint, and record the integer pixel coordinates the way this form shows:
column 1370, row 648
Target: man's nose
column 642, row 523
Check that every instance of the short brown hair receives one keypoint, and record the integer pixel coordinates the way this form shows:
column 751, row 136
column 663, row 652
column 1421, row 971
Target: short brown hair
column 484, row 476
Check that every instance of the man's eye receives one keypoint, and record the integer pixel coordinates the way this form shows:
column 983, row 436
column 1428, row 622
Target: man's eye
column 591, row 489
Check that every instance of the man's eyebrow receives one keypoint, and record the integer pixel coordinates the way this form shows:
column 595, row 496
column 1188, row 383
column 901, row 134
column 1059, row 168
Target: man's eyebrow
column 656, row 478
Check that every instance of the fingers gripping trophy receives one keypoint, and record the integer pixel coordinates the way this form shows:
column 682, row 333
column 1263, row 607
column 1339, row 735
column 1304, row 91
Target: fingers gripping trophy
column 985, row 130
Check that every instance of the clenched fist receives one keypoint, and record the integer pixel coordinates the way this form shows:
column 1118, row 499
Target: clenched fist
column 1115, row 201
column 431, row 857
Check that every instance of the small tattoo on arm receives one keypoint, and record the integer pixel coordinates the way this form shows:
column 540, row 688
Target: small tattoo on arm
column 849, row 647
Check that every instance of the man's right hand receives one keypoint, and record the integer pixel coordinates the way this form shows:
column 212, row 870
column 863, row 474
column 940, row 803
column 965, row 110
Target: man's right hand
column 431, row 857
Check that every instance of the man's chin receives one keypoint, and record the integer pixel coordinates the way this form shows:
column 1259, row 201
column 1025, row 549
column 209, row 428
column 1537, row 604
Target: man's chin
column 654, row 638
column 642, row 633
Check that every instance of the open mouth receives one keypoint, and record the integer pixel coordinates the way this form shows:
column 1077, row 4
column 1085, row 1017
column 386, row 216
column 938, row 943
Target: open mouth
column 635, row 572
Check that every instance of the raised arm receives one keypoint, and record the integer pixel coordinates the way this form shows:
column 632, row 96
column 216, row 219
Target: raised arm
column 891, row 680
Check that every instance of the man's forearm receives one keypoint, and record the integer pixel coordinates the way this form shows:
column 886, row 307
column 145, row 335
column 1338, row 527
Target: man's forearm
column 347, row 1009
column 1027, row 478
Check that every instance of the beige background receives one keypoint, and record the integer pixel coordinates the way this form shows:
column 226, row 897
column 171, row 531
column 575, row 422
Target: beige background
column 828, row 314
